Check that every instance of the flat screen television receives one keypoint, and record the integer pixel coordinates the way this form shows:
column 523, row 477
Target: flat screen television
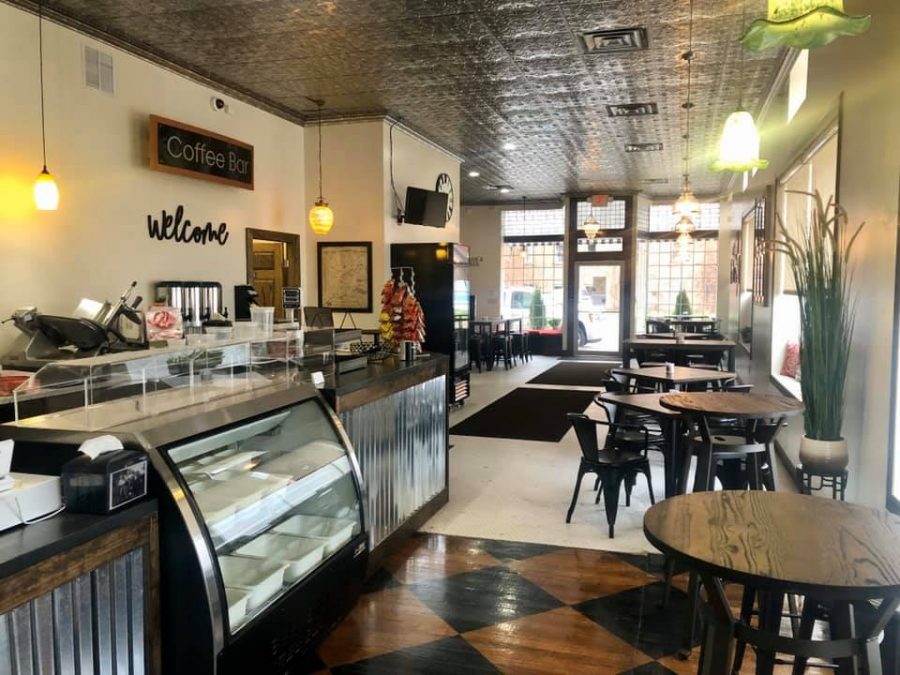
column 425, row 207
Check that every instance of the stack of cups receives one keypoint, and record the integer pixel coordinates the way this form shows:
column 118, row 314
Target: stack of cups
column 263, row 319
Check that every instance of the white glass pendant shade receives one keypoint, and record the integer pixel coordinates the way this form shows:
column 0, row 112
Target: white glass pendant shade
column 739, row 145
column 46, row 193
column 591, row 227
column 685, row 225
column 803, row 24
column 686, row 205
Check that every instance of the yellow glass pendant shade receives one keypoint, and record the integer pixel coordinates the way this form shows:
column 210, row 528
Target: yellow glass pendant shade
column 591, row 227
column 321, row 217
column 46, row 193
column 803, row 24
column 739, row 145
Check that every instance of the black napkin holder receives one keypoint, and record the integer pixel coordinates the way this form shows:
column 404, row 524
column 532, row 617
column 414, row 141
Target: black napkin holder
column 106, row 483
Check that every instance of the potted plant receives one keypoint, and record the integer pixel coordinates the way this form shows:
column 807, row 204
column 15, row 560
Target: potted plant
column 682, row 303
column 537, row 311
column 820, row 261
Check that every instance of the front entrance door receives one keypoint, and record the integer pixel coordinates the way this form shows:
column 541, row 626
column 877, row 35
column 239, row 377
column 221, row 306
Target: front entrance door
column 598, row 302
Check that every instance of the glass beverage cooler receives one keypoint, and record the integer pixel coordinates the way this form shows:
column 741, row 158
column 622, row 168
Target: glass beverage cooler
column 262, row 535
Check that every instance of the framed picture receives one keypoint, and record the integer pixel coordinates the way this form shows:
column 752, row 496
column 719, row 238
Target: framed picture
column 345, row 275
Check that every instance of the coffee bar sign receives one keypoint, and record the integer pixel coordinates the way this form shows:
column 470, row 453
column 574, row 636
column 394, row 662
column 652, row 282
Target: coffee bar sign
column 189, row 151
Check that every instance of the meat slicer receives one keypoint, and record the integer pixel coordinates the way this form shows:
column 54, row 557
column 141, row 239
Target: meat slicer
column 94, row 328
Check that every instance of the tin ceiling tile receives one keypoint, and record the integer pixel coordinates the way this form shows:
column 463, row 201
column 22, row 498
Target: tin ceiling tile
column 474, row 74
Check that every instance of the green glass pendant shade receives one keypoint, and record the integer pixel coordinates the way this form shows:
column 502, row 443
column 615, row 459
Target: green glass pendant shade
column 803, row 24
column 739, row 145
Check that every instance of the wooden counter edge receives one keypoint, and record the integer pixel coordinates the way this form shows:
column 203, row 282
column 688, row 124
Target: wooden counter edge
column 387, row 385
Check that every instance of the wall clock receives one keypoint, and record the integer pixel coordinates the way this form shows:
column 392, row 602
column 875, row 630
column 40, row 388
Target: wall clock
column 444, row 184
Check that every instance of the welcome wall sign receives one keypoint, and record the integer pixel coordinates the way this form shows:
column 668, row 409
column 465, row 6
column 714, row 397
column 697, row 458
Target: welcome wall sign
column 175, row 227
column 189, row 151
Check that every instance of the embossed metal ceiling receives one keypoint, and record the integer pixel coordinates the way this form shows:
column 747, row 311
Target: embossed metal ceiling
column 473, row 75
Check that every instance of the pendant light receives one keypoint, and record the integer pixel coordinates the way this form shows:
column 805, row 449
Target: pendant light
column 321, row 217
column 590, row 225
column 803, row 24
column 46, row 193
column 739, row 145
column 687, row 205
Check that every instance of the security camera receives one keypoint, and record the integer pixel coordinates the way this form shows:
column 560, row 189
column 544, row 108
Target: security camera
column 218, row 104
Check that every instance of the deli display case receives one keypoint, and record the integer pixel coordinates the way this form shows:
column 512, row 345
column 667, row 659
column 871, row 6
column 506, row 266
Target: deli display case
column 262, row 533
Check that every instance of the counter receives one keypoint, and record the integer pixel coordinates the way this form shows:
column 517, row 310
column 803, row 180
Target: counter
column 395, row 414
column 81, row 589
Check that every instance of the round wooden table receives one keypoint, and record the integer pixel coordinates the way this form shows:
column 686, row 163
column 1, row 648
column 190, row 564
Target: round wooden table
column 732, row 404
column 696, row 407
column 782, row 543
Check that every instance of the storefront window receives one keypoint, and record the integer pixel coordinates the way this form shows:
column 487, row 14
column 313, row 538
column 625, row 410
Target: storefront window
column 663, row 270
column 816, row 171
column 532, row 262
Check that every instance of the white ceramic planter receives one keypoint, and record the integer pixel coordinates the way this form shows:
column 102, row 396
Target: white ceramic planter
column 823, row 457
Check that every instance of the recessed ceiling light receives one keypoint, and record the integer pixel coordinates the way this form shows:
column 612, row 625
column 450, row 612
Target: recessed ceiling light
column 509, row 146
column 474, row 174
column 505, row 189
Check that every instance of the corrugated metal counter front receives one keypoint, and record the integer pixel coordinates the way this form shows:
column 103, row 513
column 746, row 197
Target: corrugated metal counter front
column 395, row 414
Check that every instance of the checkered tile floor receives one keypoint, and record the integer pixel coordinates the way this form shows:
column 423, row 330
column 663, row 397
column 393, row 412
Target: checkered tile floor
column 452, row 605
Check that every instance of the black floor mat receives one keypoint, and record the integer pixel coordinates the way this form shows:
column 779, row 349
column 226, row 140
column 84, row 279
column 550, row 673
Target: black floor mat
column 526, row 414
column 575, row 374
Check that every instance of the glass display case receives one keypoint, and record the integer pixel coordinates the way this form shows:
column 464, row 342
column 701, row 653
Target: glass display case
column 262, row 530
column 277, row 497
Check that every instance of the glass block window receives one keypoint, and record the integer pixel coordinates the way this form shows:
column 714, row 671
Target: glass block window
column 531, row 266
column 663, row 220
column 532, row 222
column 610, row 217
column 667, row 273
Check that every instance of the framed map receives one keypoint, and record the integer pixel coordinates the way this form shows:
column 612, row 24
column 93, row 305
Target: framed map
column 345, row 275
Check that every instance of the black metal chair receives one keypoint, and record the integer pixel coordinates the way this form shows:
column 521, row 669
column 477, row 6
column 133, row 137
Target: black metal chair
column 613, row 465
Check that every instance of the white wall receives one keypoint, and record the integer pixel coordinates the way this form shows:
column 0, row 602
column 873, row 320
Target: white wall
column 97, row 242
column 865, row 70
column 357, row 186
column 353, row 185
column 481, row 231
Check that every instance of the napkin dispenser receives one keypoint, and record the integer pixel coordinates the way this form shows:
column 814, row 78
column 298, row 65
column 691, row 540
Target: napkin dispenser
column 104, row 477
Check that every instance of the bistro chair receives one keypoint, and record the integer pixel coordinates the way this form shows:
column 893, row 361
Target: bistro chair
column 480, row 346
column 613, row 465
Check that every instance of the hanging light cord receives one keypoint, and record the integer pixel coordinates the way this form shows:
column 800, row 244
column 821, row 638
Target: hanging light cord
column 689, row 57
column 41, row 66
column 741, row 47
column 321, row 103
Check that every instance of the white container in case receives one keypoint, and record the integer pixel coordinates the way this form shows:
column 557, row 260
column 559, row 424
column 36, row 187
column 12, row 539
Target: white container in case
column 302, row 555
column 237, row 605
column 334, row 531
column 263, row 578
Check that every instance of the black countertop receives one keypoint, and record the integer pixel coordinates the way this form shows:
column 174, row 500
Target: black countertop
column 24, row 546
column 381, row 379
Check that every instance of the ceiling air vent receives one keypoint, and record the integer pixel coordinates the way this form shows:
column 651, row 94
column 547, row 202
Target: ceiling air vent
column 631, row 109
column 98, row 70
column 643, row 147
column 656, row 181
column 614, row 40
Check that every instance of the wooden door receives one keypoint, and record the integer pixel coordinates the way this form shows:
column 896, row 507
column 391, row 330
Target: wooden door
column 268, row 274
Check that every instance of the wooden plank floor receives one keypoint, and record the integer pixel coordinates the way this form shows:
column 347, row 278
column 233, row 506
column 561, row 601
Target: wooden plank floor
column 452, row 605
